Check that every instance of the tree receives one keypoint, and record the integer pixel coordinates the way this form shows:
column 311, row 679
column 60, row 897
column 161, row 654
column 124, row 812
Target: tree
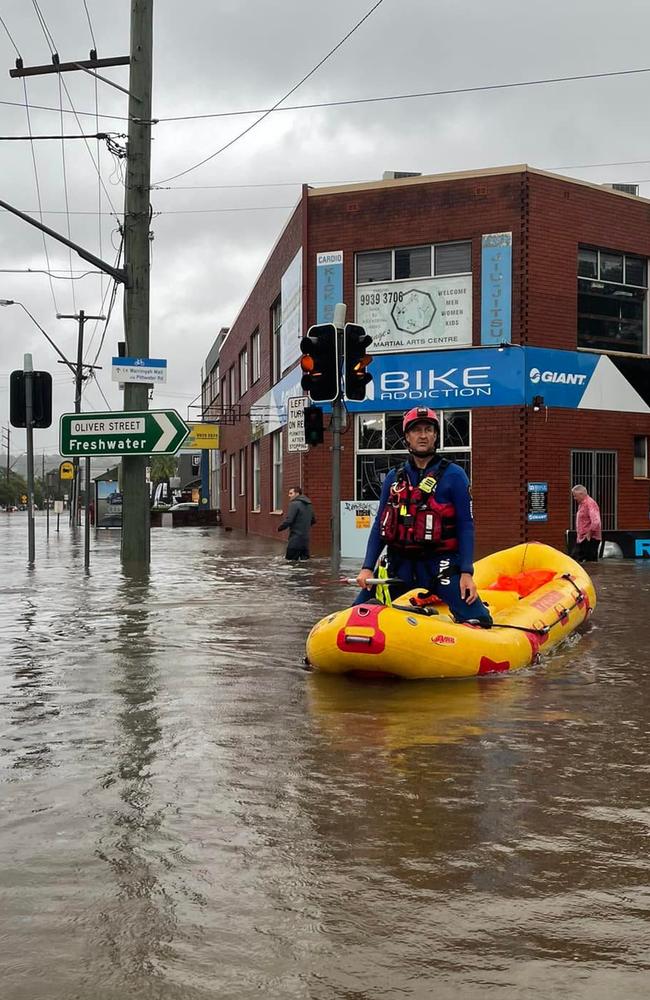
column 11, row 490
column 163, row 467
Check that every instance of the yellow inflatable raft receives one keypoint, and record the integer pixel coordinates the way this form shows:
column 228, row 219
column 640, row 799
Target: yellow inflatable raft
column 537, row 596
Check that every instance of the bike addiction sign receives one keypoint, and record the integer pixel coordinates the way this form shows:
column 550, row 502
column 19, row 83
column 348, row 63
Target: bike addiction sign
column 467, row 378
column 416, row 315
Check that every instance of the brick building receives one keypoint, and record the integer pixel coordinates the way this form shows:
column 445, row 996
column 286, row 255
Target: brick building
column 513, row 300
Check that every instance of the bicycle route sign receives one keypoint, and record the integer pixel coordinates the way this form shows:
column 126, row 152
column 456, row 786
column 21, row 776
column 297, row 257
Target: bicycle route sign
column 142, row 432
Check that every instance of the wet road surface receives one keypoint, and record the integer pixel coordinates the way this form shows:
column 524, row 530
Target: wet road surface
column 185, row 813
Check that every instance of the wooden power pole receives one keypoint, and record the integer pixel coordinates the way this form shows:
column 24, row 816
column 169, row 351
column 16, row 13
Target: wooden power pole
column 135, row 490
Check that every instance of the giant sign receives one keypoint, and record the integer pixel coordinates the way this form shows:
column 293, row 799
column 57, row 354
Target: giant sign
column 420, row 314
column 579, row 380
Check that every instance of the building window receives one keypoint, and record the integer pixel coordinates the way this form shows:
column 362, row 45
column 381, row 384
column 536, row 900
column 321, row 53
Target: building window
column 640, row 457
column 380, row 447
column 276, row 340
column 255, row 458
column 232, row 385
column 414, row 262
column 242, row 472
column 612, row 292
column 596, row 470
column 233, row 482
column 225, row 399
column 243, row 371
column 256, row 357
column 276, row 492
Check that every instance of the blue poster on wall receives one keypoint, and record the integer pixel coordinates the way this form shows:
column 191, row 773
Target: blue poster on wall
column 496, row 289
column 329, row 284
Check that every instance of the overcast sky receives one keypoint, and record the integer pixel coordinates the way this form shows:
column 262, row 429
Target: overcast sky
column 215, row 56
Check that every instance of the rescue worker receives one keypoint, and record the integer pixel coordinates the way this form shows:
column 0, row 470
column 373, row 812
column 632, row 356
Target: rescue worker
column 425, row 522
column 299, row 520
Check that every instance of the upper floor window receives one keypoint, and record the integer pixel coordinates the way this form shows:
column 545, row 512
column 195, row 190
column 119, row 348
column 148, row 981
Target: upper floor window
column 640, row 457
column 243, row 371
column 232, row 380
column 414, row 262
column 276, row 340
column 225, row 398
column 256, row 357
column 612, row 292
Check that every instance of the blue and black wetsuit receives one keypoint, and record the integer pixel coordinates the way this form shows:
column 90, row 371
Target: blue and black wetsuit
column 422, row 570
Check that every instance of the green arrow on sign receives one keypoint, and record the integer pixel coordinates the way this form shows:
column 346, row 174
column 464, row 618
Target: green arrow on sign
column 142, row 432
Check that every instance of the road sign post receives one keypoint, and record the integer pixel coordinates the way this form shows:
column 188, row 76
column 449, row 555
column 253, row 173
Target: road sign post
column 132, row 432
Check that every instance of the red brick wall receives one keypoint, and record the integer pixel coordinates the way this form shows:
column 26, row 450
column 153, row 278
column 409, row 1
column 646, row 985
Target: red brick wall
column 549, row 218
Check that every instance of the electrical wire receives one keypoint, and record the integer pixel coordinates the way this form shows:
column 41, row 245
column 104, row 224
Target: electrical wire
column 277, row 103
column 46, row 30
column 36, row 270
column 65, row 193
column 9, row 35
column 34, row 138
column 90, row 25
column 38, row 194
column 405, row 97
column 82, row 114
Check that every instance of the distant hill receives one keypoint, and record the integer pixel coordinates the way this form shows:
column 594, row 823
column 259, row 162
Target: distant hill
column 52, row 462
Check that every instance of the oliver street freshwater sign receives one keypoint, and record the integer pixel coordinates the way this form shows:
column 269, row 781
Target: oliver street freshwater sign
column 142, row 432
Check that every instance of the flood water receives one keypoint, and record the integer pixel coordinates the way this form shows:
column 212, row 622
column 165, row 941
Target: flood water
column 186, row 814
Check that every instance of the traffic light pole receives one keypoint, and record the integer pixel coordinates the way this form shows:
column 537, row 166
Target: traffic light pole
column 338, row 412
column 29, row 424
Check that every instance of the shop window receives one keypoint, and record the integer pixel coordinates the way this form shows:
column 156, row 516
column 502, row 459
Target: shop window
column 612, row 292
column 256, row 357
column 255, row 461
column 233, row 483
column 597, row 471
column 276, row 450
column 242, row 472
column 640, row 457
column 380, row 447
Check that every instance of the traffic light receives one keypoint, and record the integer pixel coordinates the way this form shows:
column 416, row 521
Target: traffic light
column 320, row 363
column 313, row 425
column 41, row 399
column 355, row 342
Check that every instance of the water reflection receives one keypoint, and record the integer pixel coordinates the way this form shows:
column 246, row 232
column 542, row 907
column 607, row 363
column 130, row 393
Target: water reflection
column 138, row 924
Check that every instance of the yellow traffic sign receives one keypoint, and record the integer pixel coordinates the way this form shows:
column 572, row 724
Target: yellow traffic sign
column 66, row 470
column 202, row 436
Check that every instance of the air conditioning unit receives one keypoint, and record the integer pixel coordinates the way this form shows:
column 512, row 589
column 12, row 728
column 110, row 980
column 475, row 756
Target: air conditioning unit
column 393, row 175
column 624, row 188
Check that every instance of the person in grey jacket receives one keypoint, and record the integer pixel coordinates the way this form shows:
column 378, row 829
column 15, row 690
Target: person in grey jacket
column 299, row 519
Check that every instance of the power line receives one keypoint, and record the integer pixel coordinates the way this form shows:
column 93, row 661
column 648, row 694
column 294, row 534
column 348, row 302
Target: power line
column 38, row 193
column 77, row 135
column 45, row 29
column 44, row 107
column 408, row 97
column 90, row 24
column 10, row 36
column 277, row 103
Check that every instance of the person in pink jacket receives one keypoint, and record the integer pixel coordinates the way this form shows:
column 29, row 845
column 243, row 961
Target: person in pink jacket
column 588, row 529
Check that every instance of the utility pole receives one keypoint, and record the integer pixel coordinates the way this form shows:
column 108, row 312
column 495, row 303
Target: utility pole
column 29, row 424
column 136, row 505
column 338, row 412
column 82, row 318
column 6, row 439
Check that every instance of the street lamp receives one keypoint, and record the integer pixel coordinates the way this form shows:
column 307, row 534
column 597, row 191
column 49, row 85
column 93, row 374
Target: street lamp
column 11, row 302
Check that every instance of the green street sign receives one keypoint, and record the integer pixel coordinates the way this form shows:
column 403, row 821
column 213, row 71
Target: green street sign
column 142, row 432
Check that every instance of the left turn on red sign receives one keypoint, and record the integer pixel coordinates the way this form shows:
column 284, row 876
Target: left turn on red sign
column 141, row 432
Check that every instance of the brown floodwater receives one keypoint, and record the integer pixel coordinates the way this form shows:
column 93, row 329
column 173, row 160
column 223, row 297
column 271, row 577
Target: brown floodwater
column 186, row 813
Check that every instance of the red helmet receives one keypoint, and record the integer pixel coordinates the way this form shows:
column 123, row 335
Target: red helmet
column 420, row 414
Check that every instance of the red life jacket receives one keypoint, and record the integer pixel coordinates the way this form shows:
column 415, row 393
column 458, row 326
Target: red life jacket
column 413, row 521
